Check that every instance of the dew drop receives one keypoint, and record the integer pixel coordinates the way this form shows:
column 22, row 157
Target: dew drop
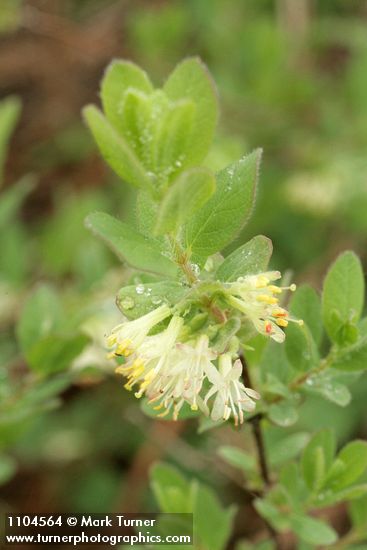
column 196, row 269
column 156, row 300
column 127, row 303
column 139, row 289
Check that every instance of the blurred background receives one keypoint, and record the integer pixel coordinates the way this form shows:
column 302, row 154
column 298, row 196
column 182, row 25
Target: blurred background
column 292, row 78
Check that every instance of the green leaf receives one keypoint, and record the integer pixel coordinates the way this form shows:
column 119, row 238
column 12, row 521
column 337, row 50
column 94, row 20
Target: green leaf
column 312, row 530
column 146, row 215
column 47, row 390
column 283, row 414
column 137, row 300
column 171, row 489
column 349, row 466
column 12, row 198
column 137, row 124
column 358, row 513
column 41, row 315
column 228, row 330
column 7, row 468
column 271, row 513
column 329, row 497
column 249, row 259
column 343, row 296
column 287, row 448
column 293, row 484
column 221, row 218
column 300, row 348
column 212, row 529
column 121, row 76
column 189, row 192
column 9, row 115
column 172, row 140
column 238, row 458
column 191, row 80
column 305, row 304
column 352, row 358
column 330, row 388
column 115, row 150
column 130, row 245
column 158, row 130
column 55, row 353
column 317, row 458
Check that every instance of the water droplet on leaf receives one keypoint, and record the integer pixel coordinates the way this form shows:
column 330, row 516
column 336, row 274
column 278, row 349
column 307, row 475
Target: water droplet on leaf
column 127, row 303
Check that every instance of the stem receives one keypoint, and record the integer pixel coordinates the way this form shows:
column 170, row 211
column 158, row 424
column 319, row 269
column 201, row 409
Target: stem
column 256, row 429
column 182, row 260
column 259, row 440
column 260, row 447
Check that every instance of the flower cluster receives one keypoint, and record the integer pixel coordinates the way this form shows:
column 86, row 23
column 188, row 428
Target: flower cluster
column 258, row 299
column 171, row 367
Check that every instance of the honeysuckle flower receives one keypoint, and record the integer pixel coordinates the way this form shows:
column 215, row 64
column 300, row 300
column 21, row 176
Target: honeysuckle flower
column 257, row 298
column 193, row 360
column 147, row 365
column 181, row 378
column 232, row 397
column 127, row 337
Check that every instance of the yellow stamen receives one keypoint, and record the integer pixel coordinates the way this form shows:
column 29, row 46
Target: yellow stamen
column 111, row 340
column 280, row 312
column 194, row 407
column 267, row 299
column 275, row 289
column 282, row 322
column 163, row 413
column 261, row 281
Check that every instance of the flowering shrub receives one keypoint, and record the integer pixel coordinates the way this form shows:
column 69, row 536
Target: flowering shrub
column 153, row 137
column 196, row 323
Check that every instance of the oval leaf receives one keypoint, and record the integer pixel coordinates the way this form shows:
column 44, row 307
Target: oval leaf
column 191, row 80
column 249, row 259
column 343, row 295
column 115, row 150
column 187, row 194
column 130, row 245
column 222, row 217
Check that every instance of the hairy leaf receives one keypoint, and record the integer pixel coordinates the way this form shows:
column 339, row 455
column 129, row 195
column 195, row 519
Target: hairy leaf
column 250, row 258
column 187, row 194
column 191, row 80
column 130, row 245
column 343, row 296
column 221, row 218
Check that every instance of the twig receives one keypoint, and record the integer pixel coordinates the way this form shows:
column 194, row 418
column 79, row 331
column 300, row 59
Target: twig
column 260, row 447
column 256, row 428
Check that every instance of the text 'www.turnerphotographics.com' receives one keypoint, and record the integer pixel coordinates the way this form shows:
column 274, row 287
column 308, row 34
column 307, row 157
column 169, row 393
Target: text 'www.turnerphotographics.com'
column 103, row 529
